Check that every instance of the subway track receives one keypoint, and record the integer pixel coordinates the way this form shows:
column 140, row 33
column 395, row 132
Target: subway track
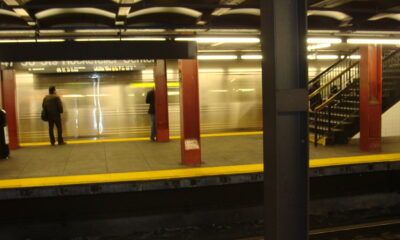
column 232, row 211
column 381, row 230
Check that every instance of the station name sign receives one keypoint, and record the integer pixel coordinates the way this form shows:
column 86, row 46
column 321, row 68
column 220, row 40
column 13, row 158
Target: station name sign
column 79, row 66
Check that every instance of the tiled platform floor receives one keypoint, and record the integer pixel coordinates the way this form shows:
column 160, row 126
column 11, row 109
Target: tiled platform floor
column 133, row 156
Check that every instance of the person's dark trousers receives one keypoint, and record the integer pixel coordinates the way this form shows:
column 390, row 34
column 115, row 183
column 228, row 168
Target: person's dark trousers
column 57, row 122
column 153, row 127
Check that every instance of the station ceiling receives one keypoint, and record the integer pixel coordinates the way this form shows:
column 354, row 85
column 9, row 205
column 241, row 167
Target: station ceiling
column 75, row 19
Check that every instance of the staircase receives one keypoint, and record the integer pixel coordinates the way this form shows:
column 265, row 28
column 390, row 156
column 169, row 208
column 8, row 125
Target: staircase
column 334, row 97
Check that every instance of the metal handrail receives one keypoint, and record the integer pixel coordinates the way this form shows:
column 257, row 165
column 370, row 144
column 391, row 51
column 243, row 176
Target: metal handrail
column 313, row 94
column 332, row 66
column 350, row 78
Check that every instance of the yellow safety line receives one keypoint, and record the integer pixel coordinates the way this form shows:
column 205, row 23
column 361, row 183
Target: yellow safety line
column 327, row 162
column 129, row 176
column 182, row 173
column 138, row 139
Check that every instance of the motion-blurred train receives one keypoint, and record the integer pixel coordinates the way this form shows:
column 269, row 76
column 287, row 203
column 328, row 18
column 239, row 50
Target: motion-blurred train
column 112, row 104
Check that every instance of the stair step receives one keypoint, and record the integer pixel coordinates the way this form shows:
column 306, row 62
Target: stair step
column 324, row 128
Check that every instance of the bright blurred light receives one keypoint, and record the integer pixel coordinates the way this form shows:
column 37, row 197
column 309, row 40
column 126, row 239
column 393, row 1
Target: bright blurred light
column 29, row 40
column 327, row 57
column 143, row 39
column 217, row 57
column 251, row 57
column 96, row 39
column 324, row 40
column 322, row 57
column 372, row 41
column 221, row 40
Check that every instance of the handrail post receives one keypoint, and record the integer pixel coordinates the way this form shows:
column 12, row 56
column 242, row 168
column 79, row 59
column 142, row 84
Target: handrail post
column 315, row 128
column 329, row 119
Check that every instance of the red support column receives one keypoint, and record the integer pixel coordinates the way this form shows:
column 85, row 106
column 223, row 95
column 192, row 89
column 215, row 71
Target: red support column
column 8, row 88
column 370, row 98
column 190, row 112
column 161, row 100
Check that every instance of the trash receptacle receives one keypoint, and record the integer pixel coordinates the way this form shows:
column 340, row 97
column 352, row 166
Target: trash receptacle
column 4, row 150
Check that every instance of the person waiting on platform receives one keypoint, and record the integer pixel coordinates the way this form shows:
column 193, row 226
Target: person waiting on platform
column 150, row 100
column 53, row 107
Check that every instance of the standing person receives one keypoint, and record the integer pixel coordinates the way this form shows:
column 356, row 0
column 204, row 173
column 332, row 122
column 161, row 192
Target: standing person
column 150, row 100
column 53, row 107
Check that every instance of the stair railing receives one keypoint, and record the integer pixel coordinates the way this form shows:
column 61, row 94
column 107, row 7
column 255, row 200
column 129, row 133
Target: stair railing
column 329, row 86
column 392, row 58
column 341, row 86
column 334, row 69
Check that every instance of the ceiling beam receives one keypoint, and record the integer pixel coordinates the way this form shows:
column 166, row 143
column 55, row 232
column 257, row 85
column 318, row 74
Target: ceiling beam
column 331, row 3
column 20, row 11
column 221, row 11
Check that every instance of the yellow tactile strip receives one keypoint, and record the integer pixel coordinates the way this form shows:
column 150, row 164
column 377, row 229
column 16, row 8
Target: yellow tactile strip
column 182, row 173
column 138, row 139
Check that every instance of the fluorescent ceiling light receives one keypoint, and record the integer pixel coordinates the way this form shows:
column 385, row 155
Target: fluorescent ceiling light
column 221, row 40
column 16, row 40
column 322, row 57
column 145, row 30
column 352, row 57
column 50, row 40
column 143, row 39
column 95, row 39
column 327, row 57
column 324, row 40
column 218, row 30
column 217, row 57
column 318, row 46
column 372, row 41
column 190, row 30
column 251, row 57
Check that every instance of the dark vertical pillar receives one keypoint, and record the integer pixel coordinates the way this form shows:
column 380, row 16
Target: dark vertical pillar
column 161, row 100
column 8, row 87
column 370, row 98
column 284, row 79
column 190, row 112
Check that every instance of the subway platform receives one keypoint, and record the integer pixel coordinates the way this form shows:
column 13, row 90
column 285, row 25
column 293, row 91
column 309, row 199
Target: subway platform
column 227, row 158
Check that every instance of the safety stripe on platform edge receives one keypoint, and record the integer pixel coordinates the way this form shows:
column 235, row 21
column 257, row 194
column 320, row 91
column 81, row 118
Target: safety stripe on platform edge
column 182, row 173
column 139, row 139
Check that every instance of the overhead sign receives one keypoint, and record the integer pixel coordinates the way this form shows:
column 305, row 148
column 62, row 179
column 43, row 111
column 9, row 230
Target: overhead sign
column 79, row 66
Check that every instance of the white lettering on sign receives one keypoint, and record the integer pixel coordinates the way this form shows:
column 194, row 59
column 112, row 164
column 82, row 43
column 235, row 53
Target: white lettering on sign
column 191, row 144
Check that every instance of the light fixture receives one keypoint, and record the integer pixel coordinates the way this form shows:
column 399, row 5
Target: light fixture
column 323, row 40
column 322, row 57
column 318, row 46
column 372, row 41
column 29, row 40
column 217, row 57
column 251, row 57
column 221, row 39
column 95, row 39
column 50, row 40
column 143, row 39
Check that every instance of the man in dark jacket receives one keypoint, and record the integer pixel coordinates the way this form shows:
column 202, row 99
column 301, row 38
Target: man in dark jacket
column 53, row 107
column 150, row 100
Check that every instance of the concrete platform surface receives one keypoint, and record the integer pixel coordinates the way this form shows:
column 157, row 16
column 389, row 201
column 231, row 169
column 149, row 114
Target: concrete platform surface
column 139, row 156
